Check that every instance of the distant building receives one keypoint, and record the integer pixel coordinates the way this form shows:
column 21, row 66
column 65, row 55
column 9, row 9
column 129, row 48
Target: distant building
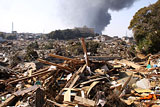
column 115, row 37
column 102, row 38
column 14, row 32
column 127, row 39
column 29, row 36
column 89, row 38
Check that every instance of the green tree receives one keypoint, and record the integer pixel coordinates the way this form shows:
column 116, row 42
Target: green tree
column 68, row 34
column 146, row 28
column 76, row 48
column 92, row 46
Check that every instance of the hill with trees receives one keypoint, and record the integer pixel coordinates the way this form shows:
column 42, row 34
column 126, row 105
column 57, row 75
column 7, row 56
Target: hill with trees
column 69, row 34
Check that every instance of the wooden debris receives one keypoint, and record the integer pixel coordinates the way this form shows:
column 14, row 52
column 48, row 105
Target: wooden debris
column 93, row 80
column 108, row 83
column 57, row 65
column 72, row 81
column 125, row 84
column 65, row 58
column 85, row 51
column 22, row 92
column 41, row 72
column 8, row 101
column 67, row 95
column 129, row 63
column 77, row 76
column 91, row 86
column 84, row 101
column 55, row 103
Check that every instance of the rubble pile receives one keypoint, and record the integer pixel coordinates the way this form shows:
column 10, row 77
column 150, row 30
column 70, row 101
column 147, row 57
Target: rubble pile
column 116, row 48
column 81, row 82
column 29, row 50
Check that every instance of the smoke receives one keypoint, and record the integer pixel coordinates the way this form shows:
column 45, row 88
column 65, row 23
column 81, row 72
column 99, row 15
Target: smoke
column 90, row 13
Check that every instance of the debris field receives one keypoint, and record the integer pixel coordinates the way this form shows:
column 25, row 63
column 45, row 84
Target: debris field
column 82, row 82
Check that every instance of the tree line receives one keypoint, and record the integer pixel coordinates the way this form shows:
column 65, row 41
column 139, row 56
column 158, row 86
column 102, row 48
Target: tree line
column 68, row 34
column 146, row 28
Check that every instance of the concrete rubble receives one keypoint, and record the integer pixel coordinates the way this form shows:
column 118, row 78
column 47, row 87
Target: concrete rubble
column 55, row 79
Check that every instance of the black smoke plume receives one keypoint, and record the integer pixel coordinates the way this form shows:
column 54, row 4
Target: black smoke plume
column 92, row 13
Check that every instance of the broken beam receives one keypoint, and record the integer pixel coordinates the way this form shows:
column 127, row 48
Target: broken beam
column 77, row 77
column 8, row 101
column 55, row 103
column 84, row 101
column 97, row 79
column 25, row 78
column 72, row 81
column 85, row 51
column 58, row 66
column 129, row 63
column 65, row 58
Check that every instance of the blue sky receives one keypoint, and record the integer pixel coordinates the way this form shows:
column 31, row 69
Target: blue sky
column 121, row 19
column 40, row 16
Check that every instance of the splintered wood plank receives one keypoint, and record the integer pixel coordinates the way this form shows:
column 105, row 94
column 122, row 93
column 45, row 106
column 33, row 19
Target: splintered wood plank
column 72, row 81
column 67, row 95
column 57, row 65
column 41, row 72
column 85, row 51
column 22, row 92
column 129, row 63
column 91, row 86
column 55, row 103
column 64, row 58
column 125, row 84
column 72, row 78
column 84, row 101
column 8, row 101
column 77, row 77
column 97, row 79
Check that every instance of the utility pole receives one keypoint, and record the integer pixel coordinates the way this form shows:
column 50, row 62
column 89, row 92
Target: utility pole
column 12, row 27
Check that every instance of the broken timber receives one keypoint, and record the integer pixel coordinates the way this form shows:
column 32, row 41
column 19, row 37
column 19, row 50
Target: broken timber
column 84, row 101
column 85, row 51
column 8, row 101
column 57, row 65
column 129, row 63
column 73, row 80
column 55, row 103
column 125, row 84
column 65, row 58
column 40, row 72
